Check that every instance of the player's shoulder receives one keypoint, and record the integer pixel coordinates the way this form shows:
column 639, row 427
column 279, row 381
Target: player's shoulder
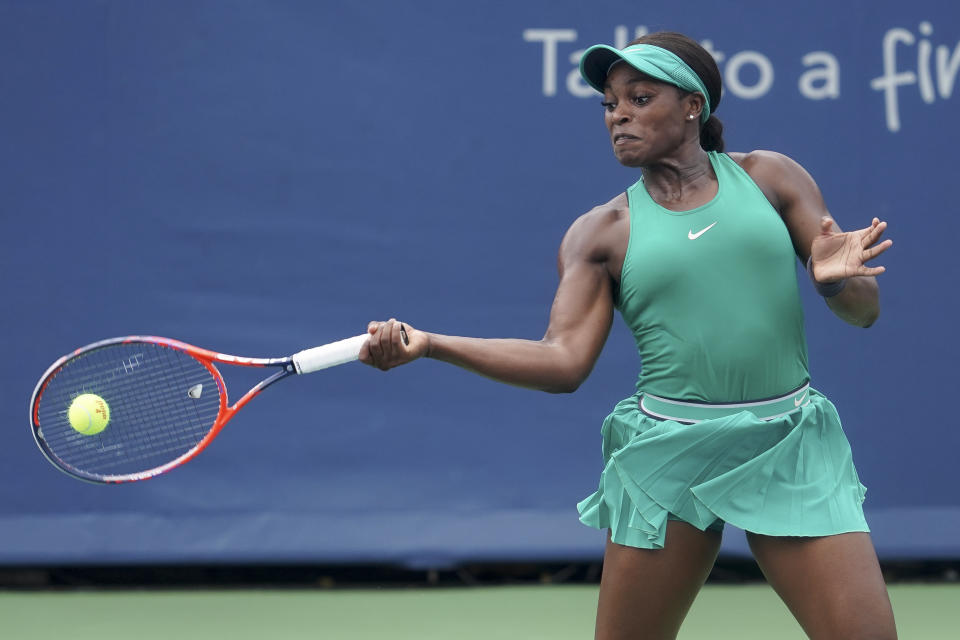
column 595, row 232
column 779, row 176
column 603, row 215
column 765, row 163
column 601, row 219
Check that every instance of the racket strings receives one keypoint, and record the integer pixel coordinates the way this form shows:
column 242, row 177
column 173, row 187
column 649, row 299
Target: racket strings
column 154, row 418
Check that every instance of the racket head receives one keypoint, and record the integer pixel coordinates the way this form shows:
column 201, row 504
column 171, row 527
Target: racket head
column 167, row 402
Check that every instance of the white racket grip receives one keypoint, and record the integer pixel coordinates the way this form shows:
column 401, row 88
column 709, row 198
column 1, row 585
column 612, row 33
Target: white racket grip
column 329, row 355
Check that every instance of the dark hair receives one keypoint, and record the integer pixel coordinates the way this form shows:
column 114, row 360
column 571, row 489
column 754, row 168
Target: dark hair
column 703, row 64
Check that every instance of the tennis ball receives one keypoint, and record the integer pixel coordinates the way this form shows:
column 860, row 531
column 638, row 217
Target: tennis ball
column 88, row 414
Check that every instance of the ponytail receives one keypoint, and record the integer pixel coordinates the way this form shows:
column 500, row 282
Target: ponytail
column 711, row 134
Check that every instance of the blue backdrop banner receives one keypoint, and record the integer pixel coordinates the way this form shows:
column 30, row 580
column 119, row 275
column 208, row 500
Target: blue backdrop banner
column 259, row 177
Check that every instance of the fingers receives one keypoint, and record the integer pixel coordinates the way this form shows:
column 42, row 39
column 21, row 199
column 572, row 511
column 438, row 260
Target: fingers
column 398, row 334
column 871, row 271
column 872, row 233
column 872, row 252
column 381, row 345
column 365, row 350
column 387, row 345
column 873, row 248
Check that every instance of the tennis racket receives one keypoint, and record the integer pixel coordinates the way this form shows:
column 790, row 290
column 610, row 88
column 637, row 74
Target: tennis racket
column 166, row 399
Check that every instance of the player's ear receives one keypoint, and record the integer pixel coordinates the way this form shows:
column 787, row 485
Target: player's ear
column 694, row 103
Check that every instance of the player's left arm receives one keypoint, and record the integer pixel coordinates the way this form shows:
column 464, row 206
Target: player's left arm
column 834, row 255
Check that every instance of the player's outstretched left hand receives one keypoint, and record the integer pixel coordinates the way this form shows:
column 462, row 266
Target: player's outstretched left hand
column 836, row 254
column 393, row 343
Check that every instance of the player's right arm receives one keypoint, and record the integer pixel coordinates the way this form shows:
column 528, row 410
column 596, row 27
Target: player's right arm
column 580, row 321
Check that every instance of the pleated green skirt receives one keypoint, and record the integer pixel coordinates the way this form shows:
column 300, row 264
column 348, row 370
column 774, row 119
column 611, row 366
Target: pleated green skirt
column 790, row 476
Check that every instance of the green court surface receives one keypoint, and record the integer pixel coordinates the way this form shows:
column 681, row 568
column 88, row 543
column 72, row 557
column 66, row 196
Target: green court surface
column 924, row 612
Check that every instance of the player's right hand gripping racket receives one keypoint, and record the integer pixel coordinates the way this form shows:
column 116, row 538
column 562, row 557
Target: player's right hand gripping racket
column 166, row 402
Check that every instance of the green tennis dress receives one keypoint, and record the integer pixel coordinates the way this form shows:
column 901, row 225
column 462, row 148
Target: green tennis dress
column 724, row 426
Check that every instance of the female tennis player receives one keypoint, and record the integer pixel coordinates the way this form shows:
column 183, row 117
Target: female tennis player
column 698, row 257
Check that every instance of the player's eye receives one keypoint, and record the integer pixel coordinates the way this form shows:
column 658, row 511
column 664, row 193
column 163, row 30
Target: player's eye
column 608, row 106
column 641, row 100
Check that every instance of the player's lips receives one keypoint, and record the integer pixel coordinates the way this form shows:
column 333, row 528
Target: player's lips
column 623, row 138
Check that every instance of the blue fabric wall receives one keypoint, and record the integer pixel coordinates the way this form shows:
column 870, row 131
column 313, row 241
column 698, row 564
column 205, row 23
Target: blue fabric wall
column 258, row 177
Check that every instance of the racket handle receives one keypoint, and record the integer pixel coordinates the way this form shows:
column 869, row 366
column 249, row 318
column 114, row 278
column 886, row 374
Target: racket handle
column 329, row 355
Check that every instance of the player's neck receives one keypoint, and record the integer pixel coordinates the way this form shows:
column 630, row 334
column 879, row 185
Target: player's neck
column 679, row 178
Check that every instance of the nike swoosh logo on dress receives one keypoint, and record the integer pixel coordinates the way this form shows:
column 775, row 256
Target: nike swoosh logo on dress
column 799, row 401
column 694, row 236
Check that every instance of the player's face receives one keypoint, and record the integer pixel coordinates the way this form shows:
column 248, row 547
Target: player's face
column 646, row 118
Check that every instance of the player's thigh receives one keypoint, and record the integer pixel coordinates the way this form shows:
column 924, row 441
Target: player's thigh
column 645, row 593
column 833, row 584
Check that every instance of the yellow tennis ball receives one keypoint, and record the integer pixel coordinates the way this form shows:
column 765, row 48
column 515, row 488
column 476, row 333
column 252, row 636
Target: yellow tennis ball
column 88, row 414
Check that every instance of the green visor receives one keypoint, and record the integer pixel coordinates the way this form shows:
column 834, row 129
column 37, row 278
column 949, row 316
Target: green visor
column 656, row 62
